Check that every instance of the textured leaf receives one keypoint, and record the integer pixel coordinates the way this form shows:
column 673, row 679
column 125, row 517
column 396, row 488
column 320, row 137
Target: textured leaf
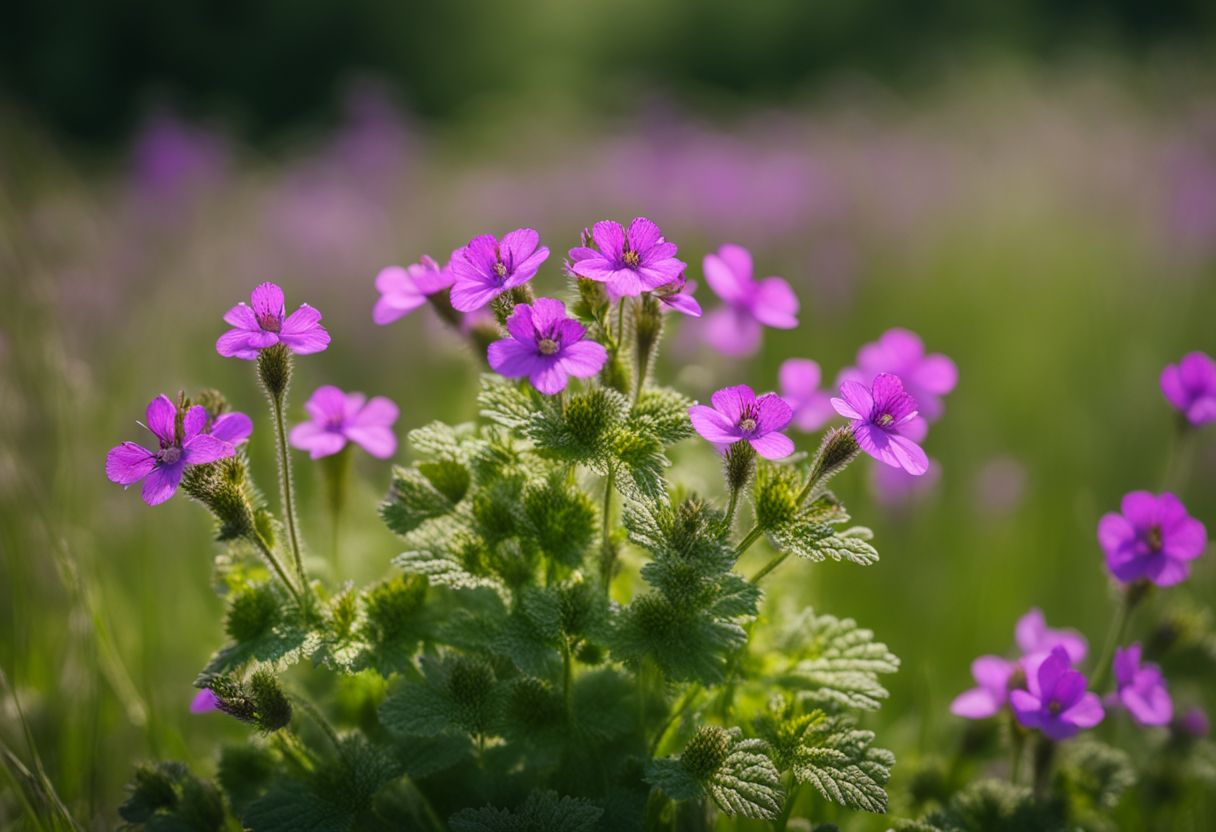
column 818, row 541
column 286, row 642
column 840, row 763
column 837, row 662
column 502, row 402
column 457, row 694
column 995, row 806
column 291, row 806
column 412, row 500
column 748, row 783
column 543, row 811
column 663, row 413
column 676, row 781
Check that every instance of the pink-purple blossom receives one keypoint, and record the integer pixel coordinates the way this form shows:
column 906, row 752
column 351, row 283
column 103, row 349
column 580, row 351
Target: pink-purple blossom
column 487, row 267
column 1034, row 636
column 404, row 289
column 901, row 352
column 265, row 323
column 884, row 421
column 338, row 418
column 1152, row 537
column 895, row 488
column 799, row 379
column 994, row 678
column 204, row 702
column 1055, row 701
column 1195, row 723
column 1190, row 386
column 1140, row 688
column 734, row 329
column 738, row 415
column 232, row 427
column 547, row 346
column 677, row 295
column 628, row 262
column 161, row 470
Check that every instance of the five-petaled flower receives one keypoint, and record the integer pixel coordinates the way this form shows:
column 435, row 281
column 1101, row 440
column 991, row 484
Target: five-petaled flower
column 885, row 423
column 487, row 267
column 1190, row 386
column 995, row 677
column 1034, row 636
column 1152, row 538
column 265, row 323
column 1140, row 688
column 338, row 418
column 628, row 262
column 1055, row 701
column 738, row 415
column 546, row 346
column 750, row 304
column 404, row 289
column 161, row 470
column 901, row 352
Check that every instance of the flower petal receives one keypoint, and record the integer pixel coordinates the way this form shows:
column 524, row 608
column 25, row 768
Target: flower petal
column 205, row 448
column 732, row 401
column 129, row 463
column 610, row 238
column 377, row 440
column 713, row 426
column 243, row 344
column 583, row 359
column 515, row 359
column 267, row 301
column 732, row 332
column 775, row 304
column 316, row 439
column 379, row 412
column 733, row 287
column 193, row 422
column 517, row 246
column 233, row 427
column 976, row 703
column 162, row 417
column 469, row 295
column 242, row 317
column 161, row 483
column 772, row 445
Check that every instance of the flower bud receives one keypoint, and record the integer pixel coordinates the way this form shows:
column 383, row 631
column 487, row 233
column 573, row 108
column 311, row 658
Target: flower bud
column 273, row 707
column 252, row 613
column 775, row 494
column 274, row 371
column 740, row 464
column 838, row 448
column 648, row 328
column 221, row 486
column 706, row 751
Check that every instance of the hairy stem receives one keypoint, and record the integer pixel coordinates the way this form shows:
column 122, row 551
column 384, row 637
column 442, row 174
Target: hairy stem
column 748, row 539
column 769, row 567
column 607, row 556
column 1044, row 755
column 336, row 468
column 791, row 799
column 273, row 560
column 730, row 508
column 286, row 489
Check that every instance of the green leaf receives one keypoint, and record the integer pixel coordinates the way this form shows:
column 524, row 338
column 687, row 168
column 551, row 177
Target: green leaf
column 1093, row 777
column 503, row 403
column 167, row 797
column 561, row 519
column 457, row 693
column 995, row 806
column 688, row 646
column 244, row 773
column 285, row 642
column 663, row 413
column 674, row 778
column 543, row 811
column 836, row 662
column 840, row 763
column 290, row 806
column 819, row 541
column 737, row 773
column 414, row 499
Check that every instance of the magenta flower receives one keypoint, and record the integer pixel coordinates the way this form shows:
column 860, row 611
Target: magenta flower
column 896, row 488
column 338, row 418
column 402, row 290
column 750, row 304
column 1195, row 723
column 628, row 262
column 799, row 378
column 161, row 470
column 1034, row 636
column 677, row 295
column 738, row 416
column 1153, row 538
column 1140, row 688
column 994, row 677
column 884, row 421
column 204, row 702
column 266, row 323
column 1056, row 701
column 231, row 427
column 1190, row 386
column 486, row 267
column 546, row 346
column 901, row 352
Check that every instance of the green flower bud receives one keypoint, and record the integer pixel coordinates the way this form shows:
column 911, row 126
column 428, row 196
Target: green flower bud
column 838, row 448
column 706, row 751
column 274, row 370
column 775, row 494
column 273, row 707
column 740, row 464
column 392, row 607
column 252, row 613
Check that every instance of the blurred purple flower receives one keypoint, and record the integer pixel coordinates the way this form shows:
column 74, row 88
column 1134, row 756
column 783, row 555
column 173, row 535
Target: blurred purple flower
column 885, row 423
column 546, row 346
column 738, row 415
column 895, row 487
column 628, row 262
column 994, row 677
column 204, row 702
column 402, row 290
column 1140, row 688
column 1190, row 386
column 161, row 469
column 677, row 295
column 1056, row 701
column 486, row 268
column 1152, row 538
column 1034, row 636
column 1195, row 723
column 750, row 304
column 901, row 352
column 171, row 159
column 799, row 379
column 267, row 324
column 338, row 418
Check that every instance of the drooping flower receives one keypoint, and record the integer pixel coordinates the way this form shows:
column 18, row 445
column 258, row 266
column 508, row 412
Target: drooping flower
column 994, row 677
column 546, row 346
column 265, row 323
column 1034, row 636
column 799, row 378
column 1056, row 701
column 884, row 421
column 628, row 262
column 402, row 290
column 205, row 701
column 677, row 295
column 338, row 418
column 750, row 304
column 1152, row 538
column 161, row 470
column 901, row 352
column 1190, row 386
column 738, row 415
column 1140, row 688
column 487, row 267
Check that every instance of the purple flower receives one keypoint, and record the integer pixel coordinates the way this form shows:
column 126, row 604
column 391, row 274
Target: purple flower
column 678, row 296
column 161, row 469
column 486, row 268
column 901, row 352
column 799, row 378
column 737, row 415
column 266, row 323
column 546, row 346
column 338, row 418
column 231, row 427
column 896, row 488
column 629, row 262
column 885, row 423
column 1153, row 538
column 994, row 677
column 750, row 304
column 1056, row 703
column 1190, row 386
column 1034, row 636
column 204, row 702
column 1195, row 723
column 1140, row 688
column 402, row 290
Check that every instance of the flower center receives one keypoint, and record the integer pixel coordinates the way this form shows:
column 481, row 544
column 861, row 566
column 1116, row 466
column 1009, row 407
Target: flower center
column 547, row 346
column 747, row 425
column 500, row 269
column 632, row 260
column 884, row 420
column 170, row 455
column 1054, row 707
column 1154, row 538
column 270, row 323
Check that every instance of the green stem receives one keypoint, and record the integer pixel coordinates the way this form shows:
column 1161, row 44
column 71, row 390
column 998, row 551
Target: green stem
column 336, row 468
column 730, row 509
column 568, row 678
column 769, row 567
column 791, row 799
column 1017, row 742
column 620, row 323
column 686, row 701
column 748, row 539
column 277, row 566
column 607, row 558
column 1044, row 754
column 287, row 491
column 1118, row 628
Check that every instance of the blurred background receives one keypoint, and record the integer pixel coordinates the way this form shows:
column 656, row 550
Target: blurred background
column 1030, row 186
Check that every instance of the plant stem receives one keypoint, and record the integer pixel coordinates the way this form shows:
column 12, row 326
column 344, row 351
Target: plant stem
column 1044, row 754
column 1118, row 628
column 686, row 700
column 607, row 556
column 748, row 539
column 1017, row 741
column 287, row 491
column 730, row 509
column 791, row 799
column 769, row 567
column 336, row 468
column 620, row 323
column 278, row 567
column 568, row 678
